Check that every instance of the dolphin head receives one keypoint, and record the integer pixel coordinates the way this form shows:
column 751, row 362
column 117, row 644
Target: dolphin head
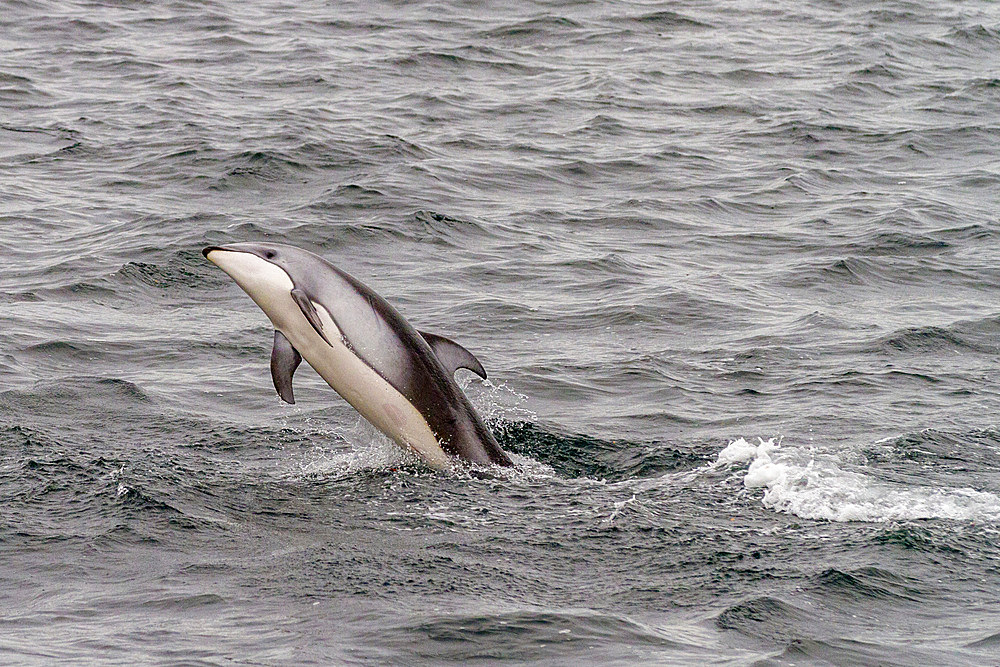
column 260, row 269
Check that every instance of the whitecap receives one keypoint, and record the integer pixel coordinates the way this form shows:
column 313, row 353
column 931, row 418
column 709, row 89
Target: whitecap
column 813, row 484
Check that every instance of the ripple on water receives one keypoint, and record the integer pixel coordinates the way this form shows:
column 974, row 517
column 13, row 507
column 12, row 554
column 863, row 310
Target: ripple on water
column 536, row 634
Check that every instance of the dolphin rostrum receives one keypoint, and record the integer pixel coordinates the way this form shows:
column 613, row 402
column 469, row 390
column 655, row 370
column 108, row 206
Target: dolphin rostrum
column 399, row 379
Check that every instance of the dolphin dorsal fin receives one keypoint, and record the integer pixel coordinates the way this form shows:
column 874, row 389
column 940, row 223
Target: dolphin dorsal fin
column 452, row 355
column 284, row 360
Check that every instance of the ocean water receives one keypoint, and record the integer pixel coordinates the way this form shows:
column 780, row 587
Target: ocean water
column 732, row 268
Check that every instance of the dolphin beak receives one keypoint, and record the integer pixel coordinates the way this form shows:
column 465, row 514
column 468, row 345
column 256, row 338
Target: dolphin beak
column 207, row 252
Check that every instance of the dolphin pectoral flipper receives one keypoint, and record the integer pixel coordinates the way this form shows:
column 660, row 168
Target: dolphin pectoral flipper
column 452, row 355
column 305, row 304
column 284, row 360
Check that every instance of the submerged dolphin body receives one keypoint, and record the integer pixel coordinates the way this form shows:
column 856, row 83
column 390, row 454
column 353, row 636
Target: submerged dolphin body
column 399, row 379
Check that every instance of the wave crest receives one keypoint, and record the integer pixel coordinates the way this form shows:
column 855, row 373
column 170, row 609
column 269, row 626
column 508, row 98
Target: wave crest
column 812, row 484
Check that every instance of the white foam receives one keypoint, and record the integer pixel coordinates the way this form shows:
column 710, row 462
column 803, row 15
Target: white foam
column 619, row 507
column 738, row 451
column 812, row 484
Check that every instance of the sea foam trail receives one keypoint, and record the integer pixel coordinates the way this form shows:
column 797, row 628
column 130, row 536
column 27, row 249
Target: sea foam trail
column 813, row 485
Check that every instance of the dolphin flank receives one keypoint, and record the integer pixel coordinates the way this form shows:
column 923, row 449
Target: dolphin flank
column 399, row 379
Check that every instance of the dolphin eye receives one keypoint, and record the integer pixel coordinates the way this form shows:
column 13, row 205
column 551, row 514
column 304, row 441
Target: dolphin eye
column 269, row 254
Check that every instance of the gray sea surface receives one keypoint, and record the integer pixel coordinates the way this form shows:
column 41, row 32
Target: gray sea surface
column 733, row 269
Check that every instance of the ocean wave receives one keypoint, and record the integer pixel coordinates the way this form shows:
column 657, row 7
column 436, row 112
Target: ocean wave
column 765, row 618
column 530, row 29
column 530, row 634
column 258, row 166
column 666, row 19
column 980, row 336
column 865, row 583
column 577, row 456
column 26, row 141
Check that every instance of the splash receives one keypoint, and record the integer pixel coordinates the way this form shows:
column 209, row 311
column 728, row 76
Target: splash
column 812, row 484
column 356, row 448
column 117, row 478
column 496, row 402
column 364, row 448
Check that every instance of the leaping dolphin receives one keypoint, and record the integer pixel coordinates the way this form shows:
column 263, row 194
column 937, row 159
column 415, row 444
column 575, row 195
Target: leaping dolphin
column 399, row 379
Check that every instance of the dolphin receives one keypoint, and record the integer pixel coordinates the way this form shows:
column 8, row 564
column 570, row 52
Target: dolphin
column 399, row 379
